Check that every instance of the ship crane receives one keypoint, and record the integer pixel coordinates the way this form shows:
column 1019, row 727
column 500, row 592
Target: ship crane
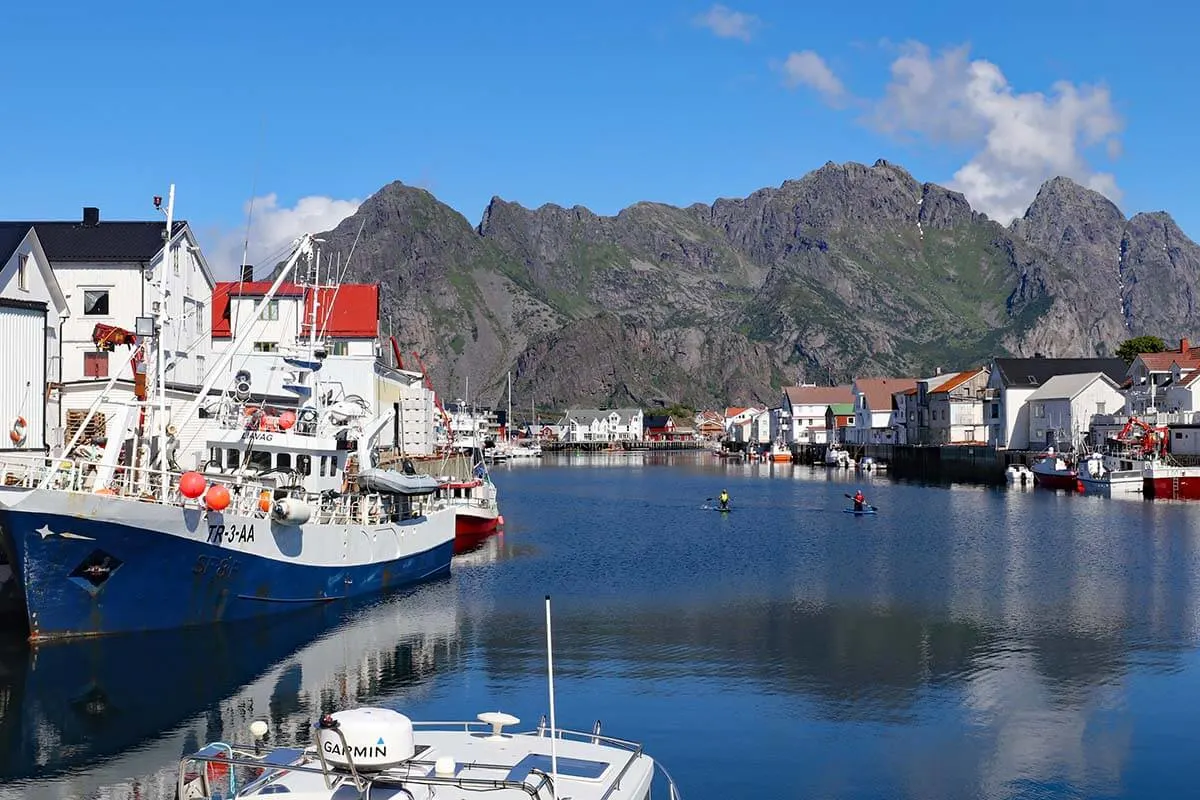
column 1151, row 439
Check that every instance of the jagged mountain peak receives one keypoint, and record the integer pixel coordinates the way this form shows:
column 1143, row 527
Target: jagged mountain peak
column 849, row 269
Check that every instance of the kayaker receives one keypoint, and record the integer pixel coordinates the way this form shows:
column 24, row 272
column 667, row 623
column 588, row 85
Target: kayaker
column 859, row 500
column 724, row 498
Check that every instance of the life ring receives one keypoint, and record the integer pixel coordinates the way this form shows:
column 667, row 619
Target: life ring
column 18, row 431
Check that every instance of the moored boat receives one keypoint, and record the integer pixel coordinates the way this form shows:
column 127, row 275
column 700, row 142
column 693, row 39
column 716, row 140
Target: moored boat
column 1109, row 474
column 271, row 522
column 1163, row 481
column 1054, row 472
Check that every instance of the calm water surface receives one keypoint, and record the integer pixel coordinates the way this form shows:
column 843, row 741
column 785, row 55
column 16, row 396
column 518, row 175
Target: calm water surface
column 963, row 643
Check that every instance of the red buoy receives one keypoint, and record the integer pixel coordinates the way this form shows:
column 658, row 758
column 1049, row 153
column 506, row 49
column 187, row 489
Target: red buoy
column 191, row 485
column 217, row 498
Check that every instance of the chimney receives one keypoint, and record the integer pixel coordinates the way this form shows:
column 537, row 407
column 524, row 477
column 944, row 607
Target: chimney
column 247, row 273
column 1183, row 346
column 91, row 216
column 937, row 371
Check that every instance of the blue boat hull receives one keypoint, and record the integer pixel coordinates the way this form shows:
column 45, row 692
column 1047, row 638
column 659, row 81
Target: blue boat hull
column 123, row 578
column 864, row 512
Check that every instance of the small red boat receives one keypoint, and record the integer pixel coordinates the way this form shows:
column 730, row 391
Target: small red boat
column 1054, row 472
column 476, row 512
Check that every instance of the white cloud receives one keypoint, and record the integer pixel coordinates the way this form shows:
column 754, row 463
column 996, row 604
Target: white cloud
column 272, row 229
column 1019, row 139
column 727, row 23
column 807, row 68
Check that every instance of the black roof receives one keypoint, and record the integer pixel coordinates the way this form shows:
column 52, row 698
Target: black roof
column 11, row 234
column 104, row 241
column 655, row 421
column 1033, row 372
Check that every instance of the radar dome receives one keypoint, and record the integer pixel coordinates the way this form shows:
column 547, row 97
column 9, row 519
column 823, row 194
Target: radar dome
column 376, row 738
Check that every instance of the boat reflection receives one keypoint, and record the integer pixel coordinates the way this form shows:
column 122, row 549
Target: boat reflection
column 105, row 717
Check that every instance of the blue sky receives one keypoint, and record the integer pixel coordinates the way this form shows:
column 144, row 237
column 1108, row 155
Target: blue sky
column 313, row 107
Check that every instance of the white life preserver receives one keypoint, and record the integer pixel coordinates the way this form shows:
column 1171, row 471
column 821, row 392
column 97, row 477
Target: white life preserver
column 18, row 432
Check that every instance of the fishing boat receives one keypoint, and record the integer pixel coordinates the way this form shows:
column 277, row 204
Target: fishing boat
column 476, row 510
column 1052, row 471
column 274, row 520
column 1111, row 473
column 382, row 753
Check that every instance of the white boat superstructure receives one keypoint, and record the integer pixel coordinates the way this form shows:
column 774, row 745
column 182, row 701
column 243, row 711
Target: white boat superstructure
column 1112, row 473
column 381, row 753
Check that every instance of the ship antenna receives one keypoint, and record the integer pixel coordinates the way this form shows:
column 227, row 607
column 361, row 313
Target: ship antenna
column 550, row 681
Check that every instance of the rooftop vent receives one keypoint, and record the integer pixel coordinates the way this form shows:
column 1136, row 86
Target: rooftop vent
column 91, row 216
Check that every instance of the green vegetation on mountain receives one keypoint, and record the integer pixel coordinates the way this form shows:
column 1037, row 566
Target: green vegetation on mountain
column 849, row 271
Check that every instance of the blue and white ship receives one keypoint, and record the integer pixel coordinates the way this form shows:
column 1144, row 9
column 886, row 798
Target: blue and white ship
column 280, row 517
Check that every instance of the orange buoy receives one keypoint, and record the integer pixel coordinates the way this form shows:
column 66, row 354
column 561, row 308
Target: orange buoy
column 18, row 431
column 286, row 420
column 217, row 497
column 191, row 485
column 264, row 501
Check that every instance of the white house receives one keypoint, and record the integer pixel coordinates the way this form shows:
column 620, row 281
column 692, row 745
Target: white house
column 736, row 419
column 1151, row 377
column 875, row 420
column 112, row 273
column 804, row 410
column 1013, row 380
column 956, row 408
column 1061, row 409
column 602, row 425
column 32, row 310
column 1183, row 393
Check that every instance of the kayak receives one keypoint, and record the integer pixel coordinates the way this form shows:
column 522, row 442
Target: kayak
column 867, row 510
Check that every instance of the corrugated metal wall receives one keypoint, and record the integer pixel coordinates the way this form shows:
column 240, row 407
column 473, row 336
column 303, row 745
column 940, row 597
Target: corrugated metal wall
column 23, row 375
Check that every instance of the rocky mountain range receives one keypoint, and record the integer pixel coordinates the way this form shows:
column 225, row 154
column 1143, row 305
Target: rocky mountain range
column 849, row 271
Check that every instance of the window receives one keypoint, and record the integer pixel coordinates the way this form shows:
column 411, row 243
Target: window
column 271, row 312
column 1039, row 410
column 95, row 302
column 95, row 365
column 265, row 347
column 995, row 411
column 1100, row 407
column 199, row 317
column 338, row 348
column 22, row 268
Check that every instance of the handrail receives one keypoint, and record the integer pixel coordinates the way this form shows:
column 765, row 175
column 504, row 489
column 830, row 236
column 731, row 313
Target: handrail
column 134, row 484
column 244, row 756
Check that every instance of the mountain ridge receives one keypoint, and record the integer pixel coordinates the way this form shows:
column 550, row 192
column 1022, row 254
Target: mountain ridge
column 848, row 270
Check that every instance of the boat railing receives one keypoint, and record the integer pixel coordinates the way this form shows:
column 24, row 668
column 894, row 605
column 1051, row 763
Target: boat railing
column 246, row 498
column 261, row 760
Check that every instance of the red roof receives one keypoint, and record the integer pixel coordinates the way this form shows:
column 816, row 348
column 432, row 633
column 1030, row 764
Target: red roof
column 349, row 311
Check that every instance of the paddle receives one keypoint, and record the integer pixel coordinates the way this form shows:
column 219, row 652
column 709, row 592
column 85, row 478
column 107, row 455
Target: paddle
column 873, row 508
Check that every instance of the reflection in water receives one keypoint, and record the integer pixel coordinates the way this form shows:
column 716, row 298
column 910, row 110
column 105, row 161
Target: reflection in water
column 966, row 642
column 101, row 713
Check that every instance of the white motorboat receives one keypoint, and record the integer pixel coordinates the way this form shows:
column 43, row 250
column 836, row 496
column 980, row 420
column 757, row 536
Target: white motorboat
column 382, row 753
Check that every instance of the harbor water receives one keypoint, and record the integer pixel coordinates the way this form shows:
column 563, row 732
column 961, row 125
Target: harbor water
column 964, row 642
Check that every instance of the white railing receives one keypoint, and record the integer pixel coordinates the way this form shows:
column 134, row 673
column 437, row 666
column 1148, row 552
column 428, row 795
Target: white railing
column 246, row 498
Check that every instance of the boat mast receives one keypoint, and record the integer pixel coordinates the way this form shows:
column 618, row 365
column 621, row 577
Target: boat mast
column 304, row 245
column 159, row 377
column 508, row 419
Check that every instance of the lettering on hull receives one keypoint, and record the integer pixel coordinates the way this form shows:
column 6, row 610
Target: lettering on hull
column 231, row 533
